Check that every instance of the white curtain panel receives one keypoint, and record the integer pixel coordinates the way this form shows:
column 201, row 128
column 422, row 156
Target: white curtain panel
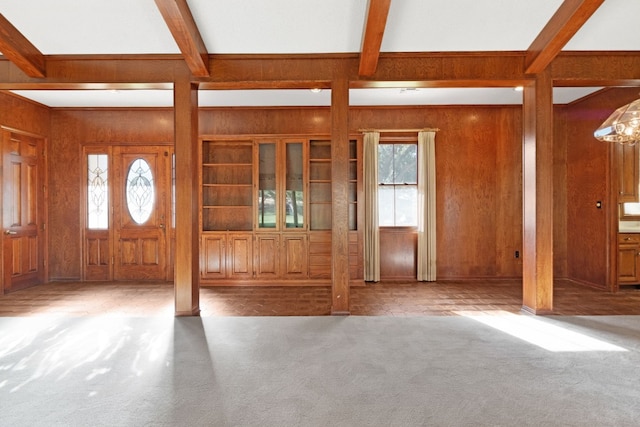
column 371, row 229
column 427, row 206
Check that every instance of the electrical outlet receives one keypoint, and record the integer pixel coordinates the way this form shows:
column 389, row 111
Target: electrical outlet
column 517, row 254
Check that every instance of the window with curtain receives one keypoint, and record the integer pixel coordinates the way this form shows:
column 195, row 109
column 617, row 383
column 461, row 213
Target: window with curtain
column 397, row 185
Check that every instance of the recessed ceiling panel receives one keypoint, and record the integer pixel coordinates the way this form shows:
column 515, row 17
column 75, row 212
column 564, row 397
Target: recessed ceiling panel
column 263, row 98
column 60, row 27
column 280, row 26
column 295, row 97
column 465, row 25
column 100, row 98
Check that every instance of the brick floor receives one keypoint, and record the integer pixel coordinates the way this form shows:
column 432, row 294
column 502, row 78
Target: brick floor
column 379, row 299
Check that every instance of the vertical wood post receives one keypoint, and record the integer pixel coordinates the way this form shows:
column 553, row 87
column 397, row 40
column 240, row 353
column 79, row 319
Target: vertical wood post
column 340, row 196
column 186, row 285
column 537, row 168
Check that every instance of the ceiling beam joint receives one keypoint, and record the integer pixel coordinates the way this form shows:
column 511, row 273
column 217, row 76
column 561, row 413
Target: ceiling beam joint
column 376, row 21
column 17, row 49
column 563, row 25
column 178, row 17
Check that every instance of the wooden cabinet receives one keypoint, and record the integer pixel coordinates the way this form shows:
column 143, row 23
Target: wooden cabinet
column 267, row 210
column 627, row 159
column 227, row 185
column 628, row 258
column 320, row 184
column 227, row 256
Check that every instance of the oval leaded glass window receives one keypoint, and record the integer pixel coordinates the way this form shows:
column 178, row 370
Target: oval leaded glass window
column 140, row 191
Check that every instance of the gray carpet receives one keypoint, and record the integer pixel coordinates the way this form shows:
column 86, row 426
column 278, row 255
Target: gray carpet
column 316, row 371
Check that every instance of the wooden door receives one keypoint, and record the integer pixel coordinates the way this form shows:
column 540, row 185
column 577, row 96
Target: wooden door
column 141, row 212
column 23, row 210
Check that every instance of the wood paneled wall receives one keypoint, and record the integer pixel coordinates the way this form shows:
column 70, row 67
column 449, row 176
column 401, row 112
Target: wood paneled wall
column 588, row 181
column 478, row 180
column 70, row 129
column 478, row 153
column 560, row 192
column 27, row 116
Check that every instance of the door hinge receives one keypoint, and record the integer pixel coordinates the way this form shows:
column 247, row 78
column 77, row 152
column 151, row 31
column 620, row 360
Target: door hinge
column 113, row 260
column 44, row 262
column 44, row 226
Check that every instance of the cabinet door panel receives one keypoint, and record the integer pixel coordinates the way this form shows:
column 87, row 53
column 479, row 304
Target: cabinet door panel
column 213, row 257
column 267, row 256
column 627, row 264
column 295, row 257
column 627, row 172
column 240, row 256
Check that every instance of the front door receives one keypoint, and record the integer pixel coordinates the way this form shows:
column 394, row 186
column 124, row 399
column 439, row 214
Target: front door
column 141, row 211
column 23, row 246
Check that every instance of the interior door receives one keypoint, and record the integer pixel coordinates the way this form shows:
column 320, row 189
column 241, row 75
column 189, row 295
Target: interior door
column 141, row 212
column 23, row 246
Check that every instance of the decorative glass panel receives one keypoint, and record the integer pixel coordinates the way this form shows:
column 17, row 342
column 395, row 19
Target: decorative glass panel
column 140, row 191
column 267, row 186
column 294, row 203
column 98, row 191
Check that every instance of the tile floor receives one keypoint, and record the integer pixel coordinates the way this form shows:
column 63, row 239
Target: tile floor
column 380, row 299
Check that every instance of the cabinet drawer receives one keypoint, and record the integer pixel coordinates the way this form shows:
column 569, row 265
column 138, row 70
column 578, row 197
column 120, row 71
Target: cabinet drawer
column 629, row 238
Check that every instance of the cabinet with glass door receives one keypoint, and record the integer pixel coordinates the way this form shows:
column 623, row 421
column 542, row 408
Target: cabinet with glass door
column 267, row 210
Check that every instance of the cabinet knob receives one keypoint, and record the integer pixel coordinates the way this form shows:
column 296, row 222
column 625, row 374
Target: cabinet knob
column 627, row 238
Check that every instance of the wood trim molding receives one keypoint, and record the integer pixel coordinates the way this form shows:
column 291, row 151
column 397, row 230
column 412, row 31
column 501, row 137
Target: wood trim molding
column 20, row 51
column 179, row 19
column 373, row 33
column 564, row 24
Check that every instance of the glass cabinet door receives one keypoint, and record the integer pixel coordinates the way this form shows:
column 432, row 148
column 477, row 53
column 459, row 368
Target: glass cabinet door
column 267, row 188
column 294, row 185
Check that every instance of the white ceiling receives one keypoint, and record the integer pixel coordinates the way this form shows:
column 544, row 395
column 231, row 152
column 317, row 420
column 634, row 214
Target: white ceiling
column 64, row 27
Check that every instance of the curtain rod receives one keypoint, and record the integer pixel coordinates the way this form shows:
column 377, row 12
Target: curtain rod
column 400, row 130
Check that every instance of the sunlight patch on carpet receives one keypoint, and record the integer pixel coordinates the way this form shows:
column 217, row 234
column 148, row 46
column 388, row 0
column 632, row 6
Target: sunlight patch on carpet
column 539, row 332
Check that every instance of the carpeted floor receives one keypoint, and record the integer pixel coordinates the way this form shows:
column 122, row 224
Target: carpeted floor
column 468, row 370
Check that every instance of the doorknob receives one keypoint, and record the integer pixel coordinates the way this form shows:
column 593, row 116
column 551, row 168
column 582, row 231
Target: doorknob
column 161, row 225
column 8, row 232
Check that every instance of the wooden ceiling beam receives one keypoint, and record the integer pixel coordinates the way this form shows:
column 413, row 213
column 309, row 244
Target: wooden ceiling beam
column 178, row 17
column 376, row 21
column 445, row 69
column 16, row 48
column 564, row 24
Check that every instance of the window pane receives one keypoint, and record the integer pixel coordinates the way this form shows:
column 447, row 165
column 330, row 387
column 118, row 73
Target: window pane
column 98, row 191
column 267, row 209
column 385, row 164
column 140, row 191
column 632, row 209
column 397, row 201
column 294, row 203
column 267, row 186
column 385, row 206
column 405, row 163
column 406, row 202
